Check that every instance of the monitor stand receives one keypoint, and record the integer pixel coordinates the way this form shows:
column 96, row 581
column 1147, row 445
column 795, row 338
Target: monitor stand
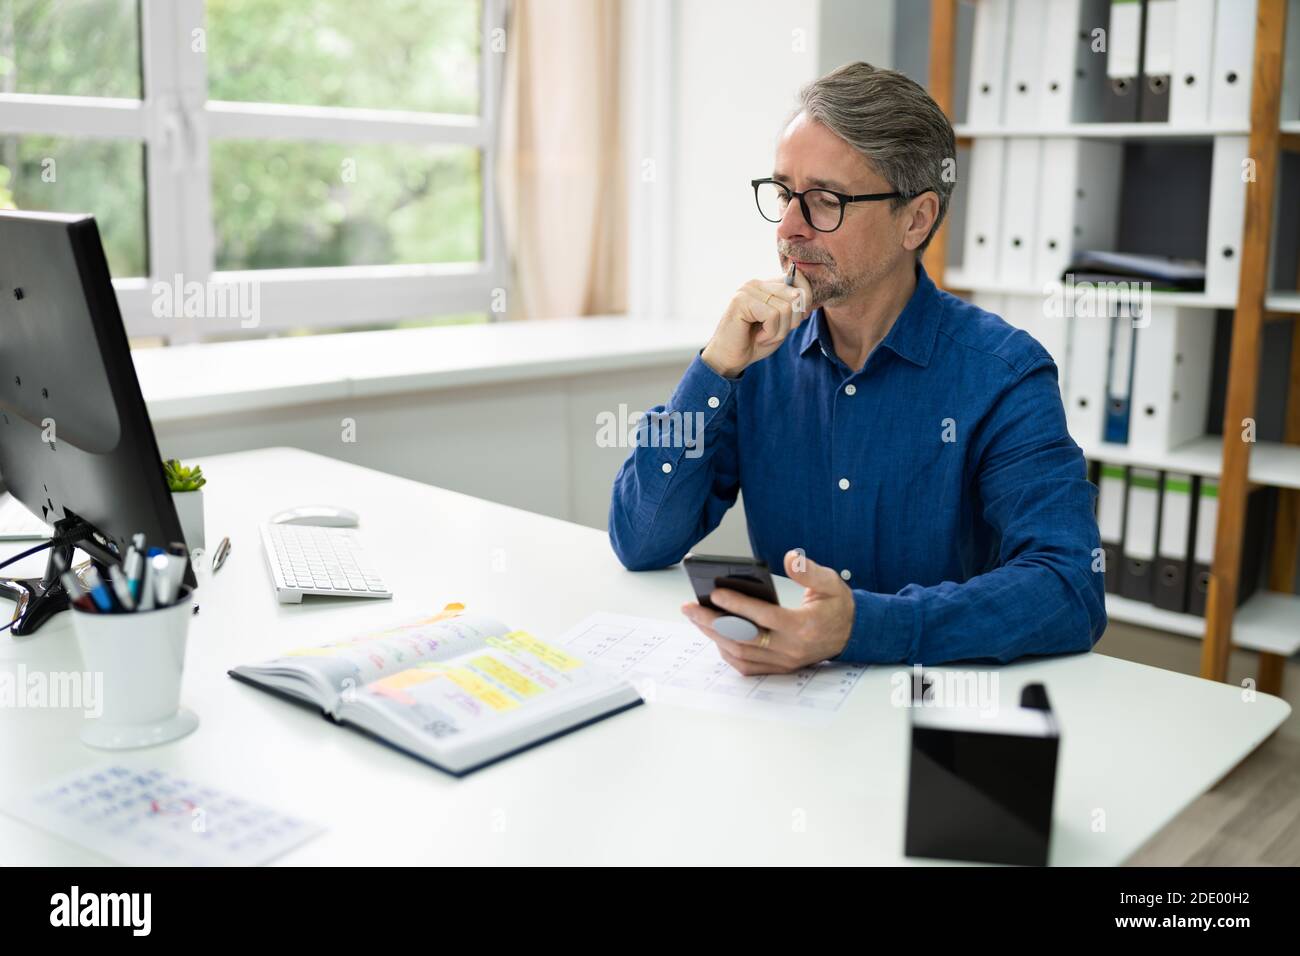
column 36, row 600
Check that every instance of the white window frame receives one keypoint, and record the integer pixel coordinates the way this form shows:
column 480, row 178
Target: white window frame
column 176, row 123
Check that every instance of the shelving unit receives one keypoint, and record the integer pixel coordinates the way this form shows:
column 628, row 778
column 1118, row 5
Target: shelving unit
column 1269, row 622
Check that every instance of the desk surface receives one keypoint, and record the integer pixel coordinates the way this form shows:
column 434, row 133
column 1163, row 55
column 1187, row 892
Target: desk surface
column 658, row 784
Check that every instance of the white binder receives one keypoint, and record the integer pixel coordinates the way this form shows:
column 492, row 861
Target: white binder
column 1189, row 94
column 1072, row 87
column 984, row 209
column 1052, row 332
column 1158, row 39
column 1171, row 381
column 1227, row 217
column 1025, row 63
column 1085, row 405
column 988, row 64
column 1141, row 521
column 1234, row 54
column 1019, row 213
column 1078, row 201
column 1123, row 39
column 1110, row 509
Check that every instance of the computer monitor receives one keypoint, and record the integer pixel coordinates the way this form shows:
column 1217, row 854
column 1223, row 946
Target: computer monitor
column 76, row 444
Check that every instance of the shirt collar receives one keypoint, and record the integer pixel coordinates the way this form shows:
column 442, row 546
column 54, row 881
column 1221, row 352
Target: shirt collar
column 912, row 335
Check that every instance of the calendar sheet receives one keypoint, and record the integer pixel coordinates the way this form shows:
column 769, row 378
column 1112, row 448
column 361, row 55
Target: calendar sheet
column 673, row 661
column 148, row 817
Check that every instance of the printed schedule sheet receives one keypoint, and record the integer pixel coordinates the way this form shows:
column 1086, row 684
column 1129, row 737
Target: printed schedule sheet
column 673, row 661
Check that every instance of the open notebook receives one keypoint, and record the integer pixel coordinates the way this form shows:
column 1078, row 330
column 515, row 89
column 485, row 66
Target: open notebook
column 457, row 690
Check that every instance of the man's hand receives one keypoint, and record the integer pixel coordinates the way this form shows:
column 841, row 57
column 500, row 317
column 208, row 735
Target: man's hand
column 817, row 630
column 758, row 319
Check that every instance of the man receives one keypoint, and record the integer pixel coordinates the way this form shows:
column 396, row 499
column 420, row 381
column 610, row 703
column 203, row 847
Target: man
column 903, row 454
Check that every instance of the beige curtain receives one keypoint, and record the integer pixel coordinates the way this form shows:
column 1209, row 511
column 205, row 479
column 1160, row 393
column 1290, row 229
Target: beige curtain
column 560, row 162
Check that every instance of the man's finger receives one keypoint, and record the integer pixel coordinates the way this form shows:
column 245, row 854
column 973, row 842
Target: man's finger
column 702, row 617
column 804, row 570
column 768, row 309
column 771, row 616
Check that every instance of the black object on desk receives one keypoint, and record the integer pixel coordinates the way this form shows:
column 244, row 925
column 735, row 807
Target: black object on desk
column 981, row 788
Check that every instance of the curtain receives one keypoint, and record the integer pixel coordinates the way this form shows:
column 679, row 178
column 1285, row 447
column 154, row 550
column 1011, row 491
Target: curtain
column 560, row 167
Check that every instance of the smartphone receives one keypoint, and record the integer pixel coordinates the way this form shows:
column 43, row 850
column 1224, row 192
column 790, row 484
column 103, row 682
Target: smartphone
column 746, row 575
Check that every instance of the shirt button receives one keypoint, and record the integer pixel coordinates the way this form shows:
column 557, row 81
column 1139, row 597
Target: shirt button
column 667, row 467
column 844, row 484
column 850, row 390
column 846, row 574
column 713, row 401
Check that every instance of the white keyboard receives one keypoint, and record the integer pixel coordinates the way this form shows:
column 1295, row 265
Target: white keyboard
column 305, row 559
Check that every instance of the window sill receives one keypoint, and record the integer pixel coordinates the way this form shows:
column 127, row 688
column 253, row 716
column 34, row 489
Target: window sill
column 199, row 381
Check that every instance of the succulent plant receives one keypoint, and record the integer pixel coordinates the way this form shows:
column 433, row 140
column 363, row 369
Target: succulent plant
column 182, row 477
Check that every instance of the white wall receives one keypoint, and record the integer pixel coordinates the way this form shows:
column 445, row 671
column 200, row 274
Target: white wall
column 738, row 68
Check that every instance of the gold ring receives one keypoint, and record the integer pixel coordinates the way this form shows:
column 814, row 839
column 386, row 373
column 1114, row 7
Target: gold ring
column 768, row 300
column 766, row 639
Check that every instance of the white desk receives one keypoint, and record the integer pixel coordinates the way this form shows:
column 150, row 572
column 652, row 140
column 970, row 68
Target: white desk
column 658, row 784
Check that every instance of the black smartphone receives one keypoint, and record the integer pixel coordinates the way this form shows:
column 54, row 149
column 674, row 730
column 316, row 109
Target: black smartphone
column 746, row 575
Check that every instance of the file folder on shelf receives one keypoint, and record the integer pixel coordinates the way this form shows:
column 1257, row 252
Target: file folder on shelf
column 1085, row 407
column 1123, row 42
column 1119, row 376
column 1019, row 217
column 1233, row 56
column 1252, row 544
column 1173, row 363
column 988, row 62
column 1078, row 201
column 1073, row 75
column 1025, row 70
column 984, row 209
column 1157, row 61
column 1227, row 217
column 1140, row 527
column 1111, row 500
column 1173, row 557
column 1189, row 84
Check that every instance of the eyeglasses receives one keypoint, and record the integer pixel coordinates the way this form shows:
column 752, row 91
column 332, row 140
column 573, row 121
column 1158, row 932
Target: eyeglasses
column 823, row 209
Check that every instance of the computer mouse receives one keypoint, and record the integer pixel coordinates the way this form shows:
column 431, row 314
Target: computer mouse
column 326, row 516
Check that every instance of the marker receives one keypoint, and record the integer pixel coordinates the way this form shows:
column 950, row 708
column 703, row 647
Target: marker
column 160, row 573
column 72, row 584
column 146, row 599
column 98, row 593
column 134, row 565
column 121, row 587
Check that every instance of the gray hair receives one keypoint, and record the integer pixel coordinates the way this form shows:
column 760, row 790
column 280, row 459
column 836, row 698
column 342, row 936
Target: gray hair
column 894, row 123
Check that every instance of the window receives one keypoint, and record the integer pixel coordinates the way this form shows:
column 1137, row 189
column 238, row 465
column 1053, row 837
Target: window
column 333, row 158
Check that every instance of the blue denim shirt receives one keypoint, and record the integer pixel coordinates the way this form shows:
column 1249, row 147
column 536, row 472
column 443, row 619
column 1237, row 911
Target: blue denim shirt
column 940, row 476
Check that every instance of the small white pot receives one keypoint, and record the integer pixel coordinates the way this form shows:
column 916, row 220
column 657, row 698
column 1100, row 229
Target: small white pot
column 189, row 508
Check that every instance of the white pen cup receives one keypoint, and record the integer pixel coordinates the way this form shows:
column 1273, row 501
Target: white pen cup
column 140, row 659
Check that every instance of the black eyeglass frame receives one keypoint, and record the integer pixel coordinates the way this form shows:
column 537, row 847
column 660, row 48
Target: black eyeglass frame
column 844, row 199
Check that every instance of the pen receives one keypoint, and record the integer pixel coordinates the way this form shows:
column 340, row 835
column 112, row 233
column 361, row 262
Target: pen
column 160, row 573
column 72, row 585
column 789, row 279
column 147, row 583
column 218, row 559
column 98, row 593
column 121, row 587
column 134, row 565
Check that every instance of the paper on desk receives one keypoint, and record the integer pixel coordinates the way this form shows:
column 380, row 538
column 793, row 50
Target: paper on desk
column 673, row 661
column 152, row 818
